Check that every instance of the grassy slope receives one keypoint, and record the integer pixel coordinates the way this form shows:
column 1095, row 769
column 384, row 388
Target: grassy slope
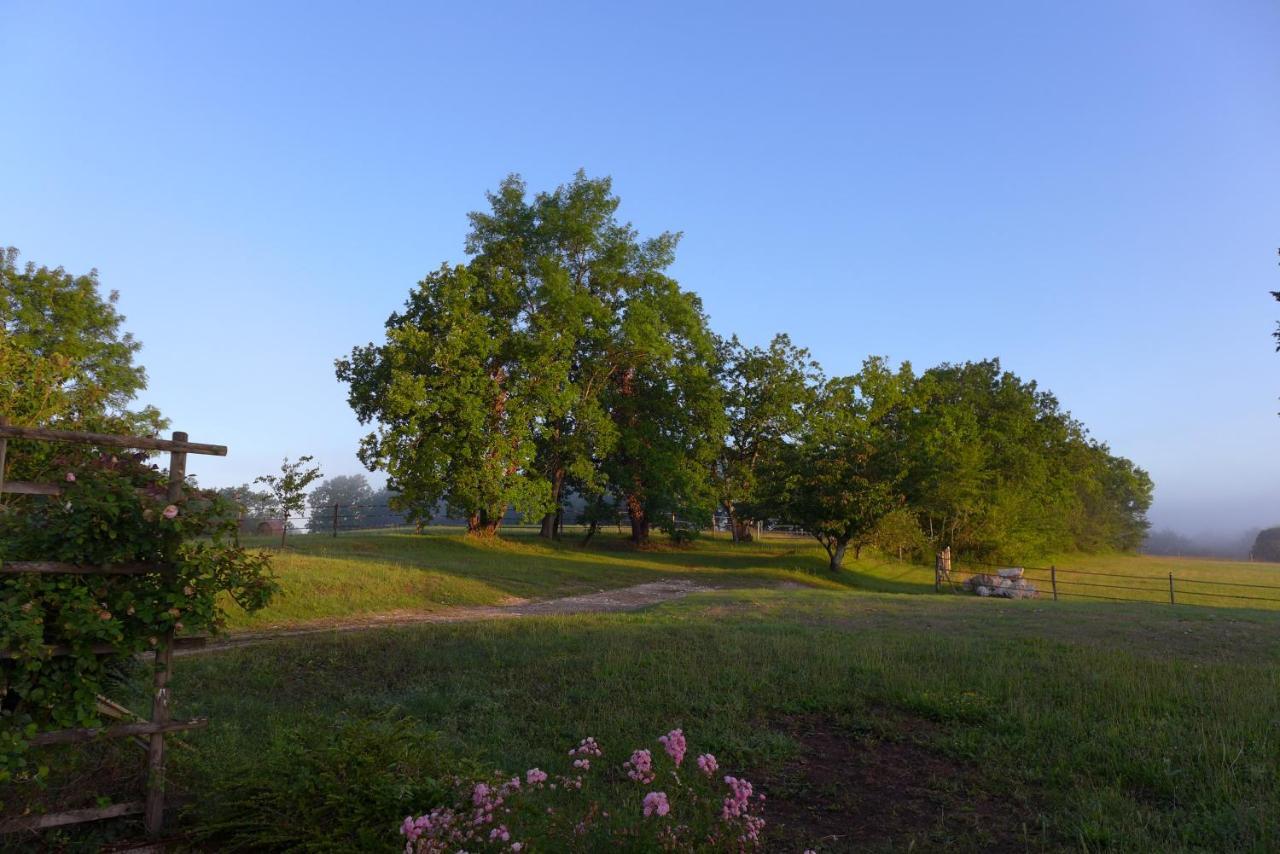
column 1106, row 725
column 354, row 575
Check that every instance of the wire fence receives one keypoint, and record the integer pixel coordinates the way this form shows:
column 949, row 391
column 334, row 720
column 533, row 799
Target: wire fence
column 1058, row 582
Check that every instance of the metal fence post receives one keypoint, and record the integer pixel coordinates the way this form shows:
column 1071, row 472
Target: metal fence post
column 1171, row 602
column 1053, row 580
column 335, row 520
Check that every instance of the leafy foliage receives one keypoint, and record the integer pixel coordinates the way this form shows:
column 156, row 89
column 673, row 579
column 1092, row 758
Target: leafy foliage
column 766, row 393
column 996, row 468
column 112, row 510
column 844, row 474
column 62, row 319
column 449, row 392
column 289, row 488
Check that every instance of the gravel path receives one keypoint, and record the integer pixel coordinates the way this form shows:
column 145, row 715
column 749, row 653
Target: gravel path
column 621, row 599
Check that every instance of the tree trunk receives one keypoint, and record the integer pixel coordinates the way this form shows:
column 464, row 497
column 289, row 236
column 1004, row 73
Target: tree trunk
column 837, row 557
column 639, row 521
column 550, row 521
column 480, row 524
column 742, row 530
column 591, row 532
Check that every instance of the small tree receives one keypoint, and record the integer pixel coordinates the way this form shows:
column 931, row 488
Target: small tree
column 289, row 488
column 844, row 474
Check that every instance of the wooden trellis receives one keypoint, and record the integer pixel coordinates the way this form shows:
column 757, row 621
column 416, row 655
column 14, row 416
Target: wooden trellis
column 153, row 730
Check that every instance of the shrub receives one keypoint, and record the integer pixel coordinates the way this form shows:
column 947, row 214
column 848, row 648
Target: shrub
column 112, row 510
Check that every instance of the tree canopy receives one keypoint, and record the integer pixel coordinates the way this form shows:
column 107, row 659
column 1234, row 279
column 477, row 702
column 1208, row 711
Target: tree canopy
column 562, row 357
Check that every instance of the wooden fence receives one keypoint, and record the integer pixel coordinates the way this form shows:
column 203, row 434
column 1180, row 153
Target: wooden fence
column 160, row 723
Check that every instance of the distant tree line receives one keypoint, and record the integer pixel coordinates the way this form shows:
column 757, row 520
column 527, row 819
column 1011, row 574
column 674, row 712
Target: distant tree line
column 562, row 357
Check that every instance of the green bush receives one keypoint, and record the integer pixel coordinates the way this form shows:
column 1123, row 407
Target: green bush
column 322, row 785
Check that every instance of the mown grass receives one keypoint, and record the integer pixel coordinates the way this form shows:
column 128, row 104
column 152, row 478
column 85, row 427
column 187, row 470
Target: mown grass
column 361, row 574
column 1116, row 727
column 355, row 575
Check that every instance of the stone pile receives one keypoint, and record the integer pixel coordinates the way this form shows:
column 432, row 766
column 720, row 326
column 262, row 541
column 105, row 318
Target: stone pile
column 1008, row 583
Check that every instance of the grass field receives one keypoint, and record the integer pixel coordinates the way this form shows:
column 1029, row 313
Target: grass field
column 874, row 722
column 355, row 575
column 874, row 718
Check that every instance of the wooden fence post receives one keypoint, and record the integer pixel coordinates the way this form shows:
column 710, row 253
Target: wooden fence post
column 937, row 573
column 4, row 448
column 335, row 520
column 160, row 712
column 1053, row 579
column 1171, row 602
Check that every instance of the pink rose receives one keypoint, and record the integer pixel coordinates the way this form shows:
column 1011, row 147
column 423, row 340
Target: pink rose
column 170, row 512
column 656, row 802
column 71, row 477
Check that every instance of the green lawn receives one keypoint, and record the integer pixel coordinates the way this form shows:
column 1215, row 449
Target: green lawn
column 354, row 575
column 875, row 718
column 359, row 574
column 1094, row 726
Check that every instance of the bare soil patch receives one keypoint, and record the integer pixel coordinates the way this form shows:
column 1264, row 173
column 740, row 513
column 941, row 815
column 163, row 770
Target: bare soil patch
column 853, row 791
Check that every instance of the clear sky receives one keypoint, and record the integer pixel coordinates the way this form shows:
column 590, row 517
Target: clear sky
column 1088, row 190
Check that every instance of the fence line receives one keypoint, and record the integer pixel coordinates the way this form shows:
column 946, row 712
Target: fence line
column 1061, row 584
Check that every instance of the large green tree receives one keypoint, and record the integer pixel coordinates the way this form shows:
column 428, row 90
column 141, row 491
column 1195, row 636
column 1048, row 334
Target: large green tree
column 50, row 313
column 65, row 361
column 844, row 473
column 998, row 469
column 766, row 393
column 575, row 266
column 666, row 403
column 449, row 393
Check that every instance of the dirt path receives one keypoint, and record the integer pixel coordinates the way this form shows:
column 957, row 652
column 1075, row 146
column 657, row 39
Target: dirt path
column 621, row 599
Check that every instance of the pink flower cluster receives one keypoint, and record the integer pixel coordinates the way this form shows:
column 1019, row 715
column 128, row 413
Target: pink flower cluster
column 738, row 807
column 444, row 830
column 485, row 824
column 674, row 743
column 587, row 747
column 640, row 766
column 656, row 803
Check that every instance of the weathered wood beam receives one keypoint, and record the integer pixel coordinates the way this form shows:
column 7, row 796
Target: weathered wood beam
column 58, row 819
column 22, row 487
column 107, row 649
column 146, row 443
column 54, row 567
column 83, row 734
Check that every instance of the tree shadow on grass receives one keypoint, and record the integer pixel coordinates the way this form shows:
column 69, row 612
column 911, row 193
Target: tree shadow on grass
column 520, row 564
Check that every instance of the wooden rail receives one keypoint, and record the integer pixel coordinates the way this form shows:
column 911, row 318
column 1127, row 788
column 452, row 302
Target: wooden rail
column 194, row 642
column 145, row 443
column 53, row 567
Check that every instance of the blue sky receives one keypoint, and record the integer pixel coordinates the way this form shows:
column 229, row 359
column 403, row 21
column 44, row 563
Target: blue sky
column 1090, row 191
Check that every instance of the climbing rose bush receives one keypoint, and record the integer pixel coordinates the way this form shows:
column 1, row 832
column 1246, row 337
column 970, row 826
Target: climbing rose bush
column 669, row 809
column 113, row 510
